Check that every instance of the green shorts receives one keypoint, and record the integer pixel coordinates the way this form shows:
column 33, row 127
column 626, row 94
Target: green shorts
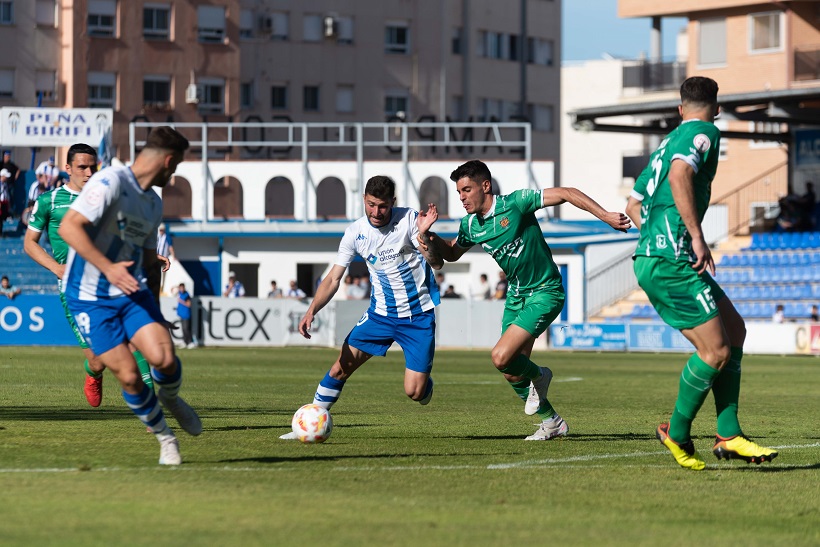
column 681, row 297
column 72, row 323
column 534, row 312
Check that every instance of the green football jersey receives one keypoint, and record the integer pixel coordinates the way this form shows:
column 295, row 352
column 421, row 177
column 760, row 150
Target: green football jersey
column 511, row 235
column 48, row 213
column 663, row 233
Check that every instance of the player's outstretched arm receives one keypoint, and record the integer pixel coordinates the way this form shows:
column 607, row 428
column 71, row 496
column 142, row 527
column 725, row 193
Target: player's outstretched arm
column 31, row 244
column 73, row 231
column 327, row 288
column 424, row 222
column 681, row 182
column 573, row 196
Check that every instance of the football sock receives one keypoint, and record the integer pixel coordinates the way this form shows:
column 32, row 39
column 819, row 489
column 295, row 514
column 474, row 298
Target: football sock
column 545, row 411
column 726, row 390
column 521, row 388
column 91, row 372
column 329, row 390
column 695, row 381
column 145, row 369
column 522, row 366
column 169, row 382
column 144, row 405
column 429, row 387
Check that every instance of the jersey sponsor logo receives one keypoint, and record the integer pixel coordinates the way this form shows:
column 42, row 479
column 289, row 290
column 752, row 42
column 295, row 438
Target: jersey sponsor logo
column 372, row 259
column 504, row 222
column 511, row 249
column 362, row 320
column 361, row 237
column 701, row 142
column 660, row 241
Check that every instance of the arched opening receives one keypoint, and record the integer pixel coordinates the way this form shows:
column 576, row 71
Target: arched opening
column 331, row 199
column 228, row 198
column 279, row 198
column 176, row 199
column 434, row 190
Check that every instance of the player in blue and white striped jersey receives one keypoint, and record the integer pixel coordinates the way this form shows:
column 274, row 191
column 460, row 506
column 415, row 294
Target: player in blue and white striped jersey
column 403, row 295
column 111, row 228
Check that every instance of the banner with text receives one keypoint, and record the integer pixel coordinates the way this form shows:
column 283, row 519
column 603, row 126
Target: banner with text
column 603, row 336
column 20, row 126
column 34, row 320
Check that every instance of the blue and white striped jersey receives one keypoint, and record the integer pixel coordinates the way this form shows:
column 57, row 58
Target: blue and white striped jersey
column 402, row 283
column 124, row 221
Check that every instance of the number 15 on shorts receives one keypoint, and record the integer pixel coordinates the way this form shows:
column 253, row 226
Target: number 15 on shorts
column 706, row 300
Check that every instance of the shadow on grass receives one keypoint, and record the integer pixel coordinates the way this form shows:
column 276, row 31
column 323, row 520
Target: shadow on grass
column 303, row 459
column 785, row 468
column 35, row 413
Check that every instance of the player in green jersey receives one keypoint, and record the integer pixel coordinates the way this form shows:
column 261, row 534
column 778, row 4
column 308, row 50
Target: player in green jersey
column 672, row 264
column 506, row 228
column 46, row 215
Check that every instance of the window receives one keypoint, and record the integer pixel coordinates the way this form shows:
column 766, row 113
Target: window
column 7, row 83
column 490, row 110
column 212, row 95
column 246, row 23
column 310, row 98
column 102, row 17
column 723, row 125
column 344, row 30
column 312, row 28
column 765, row 32
column 541, row 117
column 156, row 21
column 540, row 51
column 280, row 25
column 7, row 13
column 102, row 89
column 211, row 24
column 45, row 84
column 246, row 95
column 396, row 104
column 456, row 41
column 45, row 13
column 396, row 38
column 156, row 91
column 279, row 97
column 764, row 127
column 712, row 42
column 457, row 108
column 344, row 98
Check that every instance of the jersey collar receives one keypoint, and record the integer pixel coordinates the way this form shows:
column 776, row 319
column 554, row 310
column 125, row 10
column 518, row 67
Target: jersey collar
column 491, row 212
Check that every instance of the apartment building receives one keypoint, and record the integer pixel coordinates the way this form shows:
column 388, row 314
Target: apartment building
column 281, row 61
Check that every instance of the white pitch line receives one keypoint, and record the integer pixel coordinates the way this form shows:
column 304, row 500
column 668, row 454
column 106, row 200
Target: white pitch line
column 568, row 462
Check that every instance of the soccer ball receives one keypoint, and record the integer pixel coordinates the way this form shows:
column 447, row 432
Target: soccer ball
column 312, row 424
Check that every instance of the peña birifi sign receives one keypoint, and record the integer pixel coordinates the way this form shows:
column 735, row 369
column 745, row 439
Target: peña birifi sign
column 21, row 126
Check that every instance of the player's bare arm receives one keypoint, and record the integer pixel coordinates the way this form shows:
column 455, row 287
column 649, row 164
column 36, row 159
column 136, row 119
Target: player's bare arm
column 424, row 222
column 327, row 289
column 31, row 244
column 73, row 230
column 681, row 182
column 166, row 262
column 573, row 196
column 633, row 211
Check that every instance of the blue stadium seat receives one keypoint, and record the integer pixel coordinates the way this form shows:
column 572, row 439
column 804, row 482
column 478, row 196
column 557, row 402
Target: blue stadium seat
column 724, row 261
column 744, row 276
column 754, row 244
column 744, row 261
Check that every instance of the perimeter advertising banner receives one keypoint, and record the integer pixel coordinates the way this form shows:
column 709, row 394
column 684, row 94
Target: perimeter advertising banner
column 34, row 320
column 21, row 126
column 602, row 336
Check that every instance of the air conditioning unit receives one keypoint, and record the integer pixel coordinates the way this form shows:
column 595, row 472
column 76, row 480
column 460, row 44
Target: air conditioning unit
column 331, row 27
column 192, row 94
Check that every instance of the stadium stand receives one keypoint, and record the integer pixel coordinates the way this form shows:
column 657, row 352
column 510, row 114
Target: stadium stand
column 23, row 272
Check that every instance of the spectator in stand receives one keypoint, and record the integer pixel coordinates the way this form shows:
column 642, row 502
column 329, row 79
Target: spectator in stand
column 7, row 289
column 814, row 315
column 779, row 314
column 165, row 247
column 501, row 287
column 50, row 170
column 184, row 314
column 364, row 286
column 5, row 197
column 275, row 292
column 442, row 286
column 482, row 291
column 807, row 205
column 12, row 168
column 450, row 292
column 234, row 289
column 348, row 283
column 295, row 292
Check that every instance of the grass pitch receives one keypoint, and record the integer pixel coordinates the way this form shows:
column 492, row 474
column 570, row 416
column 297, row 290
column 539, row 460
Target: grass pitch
column 456, row 472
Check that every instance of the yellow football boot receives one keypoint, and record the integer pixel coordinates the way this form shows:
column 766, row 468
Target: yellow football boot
column 742, row 448
column 685, row 454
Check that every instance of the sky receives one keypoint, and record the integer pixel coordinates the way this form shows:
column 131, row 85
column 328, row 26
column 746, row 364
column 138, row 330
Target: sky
column 591, row 28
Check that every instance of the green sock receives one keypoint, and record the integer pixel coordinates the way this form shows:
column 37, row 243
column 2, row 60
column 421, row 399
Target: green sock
column 726, row 390
column 695, row 381
column 91, row 372
column 521, row 388
column 522, row 366
column 145, row 369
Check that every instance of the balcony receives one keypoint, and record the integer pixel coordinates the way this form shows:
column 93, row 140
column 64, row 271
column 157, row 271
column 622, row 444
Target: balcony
column 807, row 63
column 654, row 76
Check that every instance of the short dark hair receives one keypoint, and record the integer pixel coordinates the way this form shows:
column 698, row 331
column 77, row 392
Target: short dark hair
column 4, row 278
column 381, row 187
column 699, row 90
column 475, row 170
column 167, row 138
column 80, row 148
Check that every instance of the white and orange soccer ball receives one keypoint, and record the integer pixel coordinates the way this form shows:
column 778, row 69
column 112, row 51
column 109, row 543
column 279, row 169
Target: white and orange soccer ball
column 312, row 424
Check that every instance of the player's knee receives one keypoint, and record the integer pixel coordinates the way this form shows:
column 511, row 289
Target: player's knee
column 717, row 356
column 500, row 358
column 131, row 381
column 415, row 391
column 337, row 372
column 165, row 363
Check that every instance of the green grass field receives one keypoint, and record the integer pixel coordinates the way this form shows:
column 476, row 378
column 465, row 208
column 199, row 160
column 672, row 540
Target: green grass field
column 456, row 472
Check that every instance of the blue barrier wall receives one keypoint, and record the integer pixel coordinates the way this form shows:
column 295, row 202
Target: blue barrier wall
column 34, row 320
